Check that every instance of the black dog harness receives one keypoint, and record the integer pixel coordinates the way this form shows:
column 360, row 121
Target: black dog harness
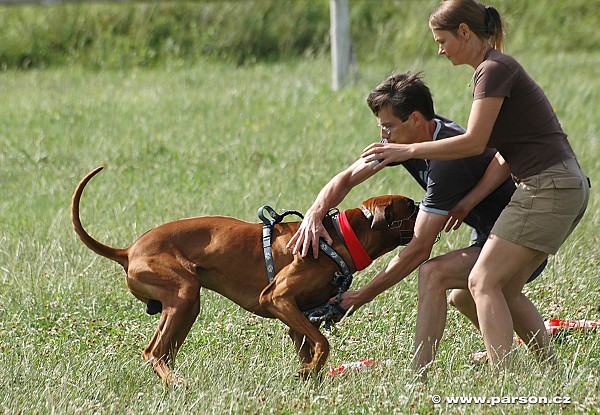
column 329, row 312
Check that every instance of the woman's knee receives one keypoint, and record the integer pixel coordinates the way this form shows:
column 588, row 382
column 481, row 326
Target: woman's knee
column 477, row 284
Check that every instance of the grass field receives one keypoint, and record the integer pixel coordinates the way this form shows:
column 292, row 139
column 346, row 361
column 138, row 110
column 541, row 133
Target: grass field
column 212, row 139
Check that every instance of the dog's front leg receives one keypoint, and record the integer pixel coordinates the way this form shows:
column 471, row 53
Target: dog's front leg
column 286, row 310
column 314, row 347
column 303, row 348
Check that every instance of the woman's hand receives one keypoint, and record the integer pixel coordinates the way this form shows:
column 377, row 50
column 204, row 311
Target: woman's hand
column 496, row 173
column 386, row 153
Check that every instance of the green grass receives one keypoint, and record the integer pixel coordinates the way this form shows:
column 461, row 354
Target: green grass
column 213, row 139
column 109, row 35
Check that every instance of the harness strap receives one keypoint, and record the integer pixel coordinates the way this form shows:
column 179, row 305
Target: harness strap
column 329, row 313
column 336, row 226
column 266, row 234
column 268, row 250
column 335, row 257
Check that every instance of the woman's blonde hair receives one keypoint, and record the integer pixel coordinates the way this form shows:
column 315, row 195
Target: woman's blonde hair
column 484, row 21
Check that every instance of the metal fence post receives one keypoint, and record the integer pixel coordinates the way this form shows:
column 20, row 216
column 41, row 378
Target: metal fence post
column 341, row 48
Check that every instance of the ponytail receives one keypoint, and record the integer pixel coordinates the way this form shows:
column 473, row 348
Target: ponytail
column 494, row 28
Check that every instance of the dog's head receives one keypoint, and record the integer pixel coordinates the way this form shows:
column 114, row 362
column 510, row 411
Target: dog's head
column 391, row 213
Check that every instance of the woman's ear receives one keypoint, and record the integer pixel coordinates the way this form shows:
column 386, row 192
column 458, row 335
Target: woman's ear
column 464, row 31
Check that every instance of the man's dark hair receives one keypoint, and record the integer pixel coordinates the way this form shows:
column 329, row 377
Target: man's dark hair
column 404, row 93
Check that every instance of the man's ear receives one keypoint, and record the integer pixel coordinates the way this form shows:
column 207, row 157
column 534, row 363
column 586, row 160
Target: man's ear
column 416, row 118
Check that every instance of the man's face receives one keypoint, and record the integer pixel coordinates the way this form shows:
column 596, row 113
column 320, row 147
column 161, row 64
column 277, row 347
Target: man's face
column 393, row 129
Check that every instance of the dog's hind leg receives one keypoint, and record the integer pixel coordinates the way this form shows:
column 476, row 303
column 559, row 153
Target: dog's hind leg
column 173, row 327
column 179, row 292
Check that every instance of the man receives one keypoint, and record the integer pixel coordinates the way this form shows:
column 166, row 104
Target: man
column 404, row 108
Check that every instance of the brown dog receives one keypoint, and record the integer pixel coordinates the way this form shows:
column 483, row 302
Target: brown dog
column 169, row 264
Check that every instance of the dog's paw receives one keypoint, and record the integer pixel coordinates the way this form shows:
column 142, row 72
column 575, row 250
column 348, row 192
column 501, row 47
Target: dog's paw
column 308, row 372
column 305, row 371
column 176, row 381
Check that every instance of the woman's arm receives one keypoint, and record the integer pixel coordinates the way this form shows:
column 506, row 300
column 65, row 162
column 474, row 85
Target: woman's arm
column 495, row 174
column 484, row 113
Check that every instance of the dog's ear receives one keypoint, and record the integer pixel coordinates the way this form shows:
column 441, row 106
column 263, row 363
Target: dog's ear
column 382, row 216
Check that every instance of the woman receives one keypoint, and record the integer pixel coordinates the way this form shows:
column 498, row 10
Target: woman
column 509, row 112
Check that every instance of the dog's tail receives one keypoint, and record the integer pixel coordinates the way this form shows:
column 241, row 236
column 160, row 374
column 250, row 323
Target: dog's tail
column 118, row 255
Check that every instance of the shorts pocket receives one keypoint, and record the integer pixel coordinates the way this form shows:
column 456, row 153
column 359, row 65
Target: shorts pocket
column 567, row 182
column 568, row 192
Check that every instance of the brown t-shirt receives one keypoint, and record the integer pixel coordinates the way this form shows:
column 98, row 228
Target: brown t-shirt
column 527, row 132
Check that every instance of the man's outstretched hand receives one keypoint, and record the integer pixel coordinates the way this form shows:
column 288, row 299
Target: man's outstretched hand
column 308, row 234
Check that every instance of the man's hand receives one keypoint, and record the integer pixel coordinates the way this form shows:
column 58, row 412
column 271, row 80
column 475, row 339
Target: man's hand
column 456, row 216
column 351, row 300
column 308, row 234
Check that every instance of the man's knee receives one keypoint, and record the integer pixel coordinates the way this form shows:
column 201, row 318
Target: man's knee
column 462, row 300
column 458, row 298
column 430, row 274
column 515, row 301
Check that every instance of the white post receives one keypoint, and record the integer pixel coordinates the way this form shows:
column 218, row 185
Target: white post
column 341, row 48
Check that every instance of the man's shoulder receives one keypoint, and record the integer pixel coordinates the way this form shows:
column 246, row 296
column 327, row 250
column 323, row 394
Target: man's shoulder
column 448, row 127
column 461, row 172
column 472, row 164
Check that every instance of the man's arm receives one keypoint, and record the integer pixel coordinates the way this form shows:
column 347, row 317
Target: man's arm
column 427, row 227
column 329, row 197
column 495, row 174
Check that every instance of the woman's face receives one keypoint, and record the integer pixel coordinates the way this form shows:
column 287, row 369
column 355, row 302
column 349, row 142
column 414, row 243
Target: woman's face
column 451, row 45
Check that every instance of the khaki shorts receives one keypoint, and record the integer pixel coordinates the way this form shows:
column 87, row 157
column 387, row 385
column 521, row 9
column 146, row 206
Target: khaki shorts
column 545, row 208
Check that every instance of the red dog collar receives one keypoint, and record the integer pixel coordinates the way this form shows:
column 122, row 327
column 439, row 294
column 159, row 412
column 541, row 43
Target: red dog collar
column 360, row 257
